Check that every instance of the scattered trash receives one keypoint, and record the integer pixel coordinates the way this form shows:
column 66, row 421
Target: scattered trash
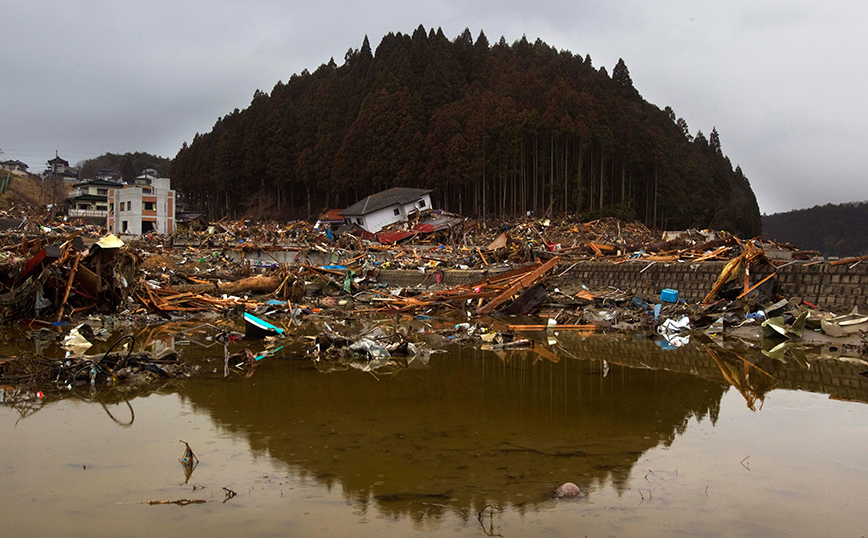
column 669, row 295
column 568, row 489
column 840, row 326
column 259, row 328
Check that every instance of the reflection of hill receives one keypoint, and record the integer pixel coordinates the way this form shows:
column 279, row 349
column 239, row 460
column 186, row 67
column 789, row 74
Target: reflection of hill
column 470, row 430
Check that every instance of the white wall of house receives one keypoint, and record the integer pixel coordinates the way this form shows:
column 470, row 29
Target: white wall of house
column 377, row 220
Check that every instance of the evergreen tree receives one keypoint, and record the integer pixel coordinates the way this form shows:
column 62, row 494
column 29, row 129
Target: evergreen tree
column 621, row 75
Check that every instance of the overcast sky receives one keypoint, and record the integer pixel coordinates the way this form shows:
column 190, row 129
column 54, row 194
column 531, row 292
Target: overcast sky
column 783, row 81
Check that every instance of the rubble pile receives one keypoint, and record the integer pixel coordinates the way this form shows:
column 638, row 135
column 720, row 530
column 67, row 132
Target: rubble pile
column 55, row 273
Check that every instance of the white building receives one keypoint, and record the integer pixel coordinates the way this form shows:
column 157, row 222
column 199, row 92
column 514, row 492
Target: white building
column 146, row 207
column 384, row 208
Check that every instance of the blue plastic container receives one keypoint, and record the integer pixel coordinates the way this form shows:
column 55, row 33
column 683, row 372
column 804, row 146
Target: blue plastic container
column 669, row 295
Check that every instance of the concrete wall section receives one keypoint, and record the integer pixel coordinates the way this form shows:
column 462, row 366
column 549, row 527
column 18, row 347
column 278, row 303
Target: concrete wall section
column 834, row 288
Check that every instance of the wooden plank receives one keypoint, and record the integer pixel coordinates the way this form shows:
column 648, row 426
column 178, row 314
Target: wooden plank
column 755, row 286
column 525, row 282
column 75, row 261
column 521, row 328
column 849, row 260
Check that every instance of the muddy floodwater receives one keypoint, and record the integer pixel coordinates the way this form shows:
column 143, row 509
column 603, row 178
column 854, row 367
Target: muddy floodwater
column 464, row 441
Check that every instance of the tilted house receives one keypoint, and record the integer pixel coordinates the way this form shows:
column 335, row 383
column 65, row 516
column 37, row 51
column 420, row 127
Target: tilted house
column 384, row 208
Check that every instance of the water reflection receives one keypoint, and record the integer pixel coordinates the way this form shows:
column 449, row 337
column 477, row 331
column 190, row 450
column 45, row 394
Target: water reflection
column 452, row 433
column 472, row 429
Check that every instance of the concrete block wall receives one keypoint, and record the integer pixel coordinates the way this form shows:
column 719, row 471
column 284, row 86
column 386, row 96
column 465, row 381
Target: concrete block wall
column 693, row 281
column 834, row 288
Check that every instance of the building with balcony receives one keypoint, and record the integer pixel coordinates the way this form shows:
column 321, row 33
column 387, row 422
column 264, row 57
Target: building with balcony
column 90, row 198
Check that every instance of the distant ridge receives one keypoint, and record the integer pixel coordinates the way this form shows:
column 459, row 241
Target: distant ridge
column 832, row 229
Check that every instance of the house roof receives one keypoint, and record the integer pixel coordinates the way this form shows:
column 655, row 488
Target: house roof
column 89, row 198
column 188, row 216
column 13, row 163
column 332, row 215
column 389, row 197
column 58, row 160
column 99, row 183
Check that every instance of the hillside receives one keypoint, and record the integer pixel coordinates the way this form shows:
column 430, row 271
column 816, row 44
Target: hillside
column 834, row 230
column 24, row 191
column 129, row 164
column 495, row 130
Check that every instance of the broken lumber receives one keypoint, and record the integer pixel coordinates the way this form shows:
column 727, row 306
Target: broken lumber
column 525, row 282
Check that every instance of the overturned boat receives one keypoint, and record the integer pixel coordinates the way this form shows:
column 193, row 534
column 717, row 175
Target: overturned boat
column 844, row 325
column 255, row 327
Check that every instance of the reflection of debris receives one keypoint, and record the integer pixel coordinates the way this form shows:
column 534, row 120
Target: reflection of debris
column 376, row 351
column 749, row 379
column 189, row 461
column 781, row 351
column 179, row 502
column 109, row 368
column 490, row 531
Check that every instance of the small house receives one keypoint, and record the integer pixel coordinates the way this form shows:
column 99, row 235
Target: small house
column 13, row 166
column 384, row 208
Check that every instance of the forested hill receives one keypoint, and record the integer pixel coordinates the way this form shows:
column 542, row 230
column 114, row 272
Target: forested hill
column 129, row 164
column 495, row 130
column 834, row 230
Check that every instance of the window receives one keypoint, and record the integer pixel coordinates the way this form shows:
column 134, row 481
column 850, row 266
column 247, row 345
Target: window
column 397, row 211
column 129, row 206
column 421, row 203
column 150, row 206
column 102, row 191
column 123, row 226
column 360, row 221
column 100, row 208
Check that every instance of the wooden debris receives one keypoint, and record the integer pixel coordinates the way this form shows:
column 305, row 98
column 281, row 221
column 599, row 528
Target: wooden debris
column 525, row 282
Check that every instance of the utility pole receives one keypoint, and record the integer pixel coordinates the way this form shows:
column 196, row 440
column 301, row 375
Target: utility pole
column 54, row 184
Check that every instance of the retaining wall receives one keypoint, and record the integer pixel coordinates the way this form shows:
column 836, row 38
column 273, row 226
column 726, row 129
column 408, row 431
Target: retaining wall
column 834, row 288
